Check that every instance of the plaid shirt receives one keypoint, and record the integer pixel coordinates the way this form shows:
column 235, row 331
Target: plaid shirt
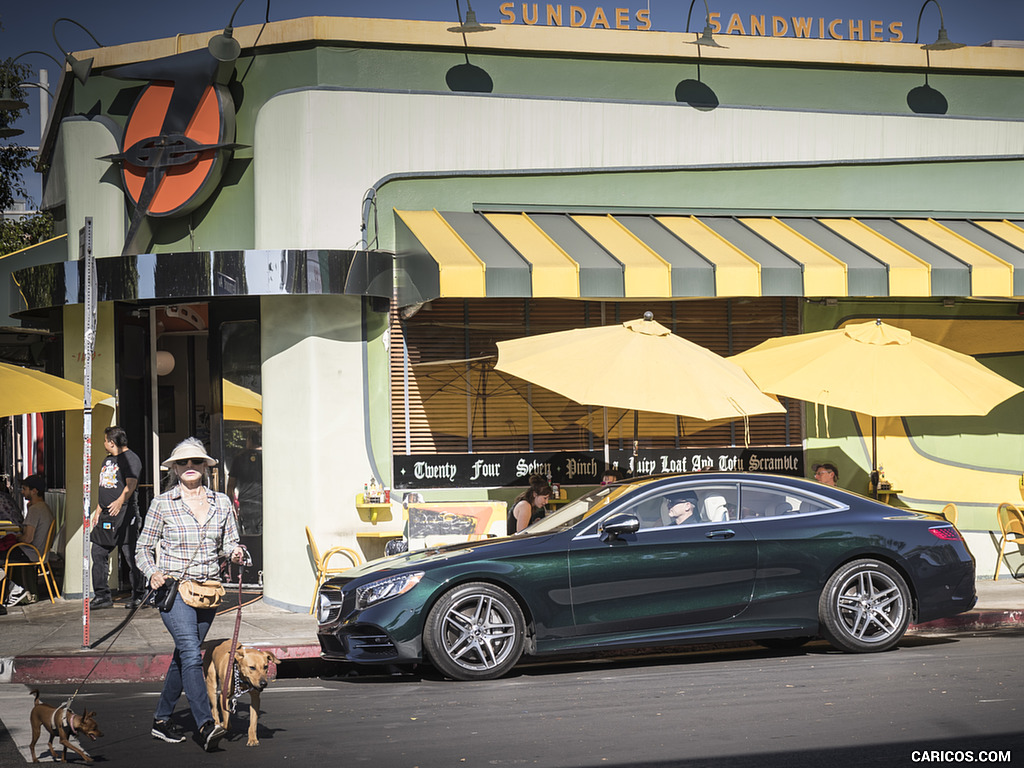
column 183, row 548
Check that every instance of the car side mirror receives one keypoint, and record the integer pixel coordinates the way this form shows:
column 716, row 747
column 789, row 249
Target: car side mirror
column 618, row 525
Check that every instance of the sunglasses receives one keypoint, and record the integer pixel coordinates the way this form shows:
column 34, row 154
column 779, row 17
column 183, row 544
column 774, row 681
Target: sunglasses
column 193, row 462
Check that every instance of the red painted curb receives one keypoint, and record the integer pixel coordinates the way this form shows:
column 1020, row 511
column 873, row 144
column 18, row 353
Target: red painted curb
column 974, row 621
column 120, row 667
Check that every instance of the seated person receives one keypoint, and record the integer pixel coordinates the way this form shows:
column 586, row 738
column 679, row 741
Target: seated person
column 682, row 508
column 34, row 532
column 611, row 475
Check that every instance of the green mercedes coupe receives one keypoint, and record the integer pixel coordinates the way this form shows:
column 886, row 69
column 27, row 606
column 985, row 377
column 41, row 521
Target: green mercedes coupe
column 657, row 561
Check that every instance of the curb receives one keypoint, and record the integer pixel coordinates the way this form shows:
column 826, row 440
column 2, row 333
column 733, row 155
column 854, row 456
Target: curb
column 121, row 667
column 974, row 621
column 152, row 667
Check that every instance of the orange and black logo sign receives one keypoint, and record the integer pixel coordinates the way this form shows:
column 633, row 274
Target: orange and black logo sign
column 178, row 138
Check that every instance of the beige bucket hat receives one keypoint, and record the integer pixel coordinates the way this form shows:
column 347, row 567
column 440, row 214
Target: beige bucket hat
column 189, row 448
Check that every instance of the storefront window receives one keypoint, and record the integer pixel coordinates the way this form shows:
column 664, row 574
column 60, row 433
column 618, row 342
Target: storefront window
column 447, row 398
column 243, row 422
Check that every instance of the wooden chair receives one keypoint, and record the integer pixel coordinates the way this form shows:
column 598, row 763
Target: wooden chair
column 36, row 559
column 1011, row 524
column 323, row 571
column 949, row 512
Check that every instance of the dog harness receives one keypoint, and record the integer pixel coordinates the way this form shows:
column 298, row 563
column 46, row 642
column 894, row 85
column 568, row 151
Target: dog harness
column 55, row 718
column 241, row 687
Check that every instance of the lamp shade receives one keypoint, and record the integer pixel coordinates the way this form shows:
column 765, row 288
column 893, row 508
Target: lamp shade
column 224, row 47
column 164, row 362
column 9, row 102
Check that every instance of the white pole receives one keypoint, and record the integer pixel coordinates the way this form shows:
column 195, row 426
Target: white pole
column 85, row 250
column 44, row 105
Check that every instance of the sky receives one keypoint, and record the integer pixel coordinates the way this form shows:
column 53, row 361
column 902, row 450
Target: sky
column 28, row 24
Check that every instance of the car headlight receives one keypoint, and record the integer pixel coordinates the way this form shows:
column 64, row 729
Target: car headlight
column 384, row 589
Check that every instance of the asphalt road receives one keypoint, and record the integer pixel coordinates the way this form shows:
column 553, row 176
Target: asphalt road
column 935, row 700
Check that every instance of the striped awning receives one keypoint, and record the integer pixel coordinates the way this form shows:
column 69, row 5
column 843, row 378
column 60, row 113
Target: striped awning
column 634, row 256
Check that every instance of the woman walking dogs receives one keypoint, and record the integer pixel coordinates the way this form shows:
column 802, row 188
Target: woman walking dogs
column 187, row 528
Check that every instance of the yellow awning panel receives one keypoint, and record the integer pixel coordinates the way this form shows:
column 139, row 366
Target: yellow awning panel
column 554, row 273
column 461, row 272
column 990, row 275
column 645, row 272
column 736, row 274
column 636, row 255
column 908, row 275
column 1006, row 230
column 824, row 274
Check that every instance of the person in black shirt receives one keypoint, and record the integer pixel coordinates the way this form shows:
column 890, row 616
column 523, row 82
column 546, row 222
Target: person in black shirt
column 115, row 522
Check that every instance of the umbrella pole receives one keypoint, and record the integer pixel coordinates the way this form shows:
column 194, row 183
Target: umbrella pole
column 607, row 454
column 636, row 438
column 874, row 456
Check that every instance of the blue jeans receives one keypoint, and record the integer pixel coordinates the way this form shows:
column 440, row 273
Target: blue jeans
column 188, row 626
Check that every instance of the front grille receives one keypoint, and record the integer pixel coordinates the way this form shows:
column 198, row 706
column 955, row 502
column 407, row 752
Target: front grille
column 336, row 597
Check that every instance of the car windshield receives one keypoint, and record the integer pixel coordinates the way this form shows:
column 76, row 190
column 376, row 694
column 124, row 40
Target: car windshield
column 580, row 509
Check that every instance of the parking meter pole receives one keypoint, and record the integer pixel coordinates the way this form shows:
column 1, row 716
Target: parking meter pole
column 89, row 343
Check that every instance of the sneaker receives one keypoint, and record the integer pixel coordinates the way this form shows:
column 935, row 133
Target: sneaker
column 132, row 604
column 17, row 595
column 210, row 735
column 98, row 604
column 168, row 731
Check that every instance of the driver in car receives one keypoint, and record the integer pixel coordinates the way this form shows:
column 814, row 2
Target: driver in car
column 683, row 508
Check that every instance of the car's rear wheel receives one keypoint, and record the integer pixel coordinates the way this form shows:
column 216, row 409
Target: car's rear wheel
column 475, row 631
column 864, row 607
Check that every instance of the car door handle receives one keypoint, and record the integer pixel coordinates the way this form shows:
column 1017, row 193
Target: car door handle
column 726, row 533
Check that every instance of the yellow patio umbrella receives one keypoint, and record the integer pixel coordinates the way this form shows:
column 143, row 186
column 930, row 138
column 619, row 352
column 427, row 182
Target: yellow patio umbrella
column 878, row 370
column 638, row 365
column 650, row 424
column 23, row 390
column 469, row 397
column 241, row 404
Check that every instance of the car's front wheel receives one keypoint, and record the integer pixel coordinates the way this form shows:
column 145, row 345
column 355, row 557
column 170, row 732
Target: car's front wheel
column 475, row 631
column 864, row 607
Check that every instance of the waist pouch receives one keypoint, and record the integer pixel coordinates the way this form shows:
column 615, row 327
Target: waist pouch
column 107, row 528
column 201, row 594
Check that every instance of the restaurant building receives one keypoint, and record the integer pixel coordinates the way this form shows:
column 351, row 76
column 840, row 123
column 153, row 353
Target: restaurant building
column 319, row 242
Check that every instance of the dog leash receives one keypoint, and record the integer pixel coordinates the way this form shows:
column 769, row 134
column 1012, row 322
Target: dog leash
column 67, row 705
column 229, row 672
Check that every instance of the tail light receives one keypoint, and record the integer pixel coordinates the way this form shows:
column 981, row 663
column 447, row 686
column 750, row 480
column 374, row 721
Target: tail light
column 945, row 532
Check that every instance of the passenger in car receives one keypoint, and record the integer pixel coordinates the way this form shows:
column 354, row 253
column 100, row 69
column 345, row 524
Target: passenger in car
column 683, row 508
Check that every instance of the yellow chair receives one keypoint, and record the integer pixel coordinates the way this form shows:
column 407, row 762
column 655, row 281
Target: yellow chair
column 1011, row 524
column 40, row 561
column 323, row 572
column 949, row 512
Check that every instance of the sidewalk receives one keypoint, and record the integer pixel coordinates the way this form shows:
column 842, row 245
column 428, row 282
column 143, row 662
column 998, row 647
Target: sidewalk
column 42, row 643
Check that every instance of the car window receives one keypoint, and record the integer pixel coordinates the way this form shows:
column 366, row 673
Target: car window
column 580, row 509
column 686, row 504
column 761, row 501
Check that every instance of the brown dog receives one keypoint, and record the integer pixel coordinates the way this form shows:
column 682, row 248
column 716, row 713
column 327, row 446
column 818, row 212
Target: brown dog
column 252, row 666
column 62, row 722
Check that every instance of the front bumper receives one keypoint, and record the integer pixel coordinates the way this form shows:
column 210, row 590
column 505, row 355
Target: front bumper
column 380, row 634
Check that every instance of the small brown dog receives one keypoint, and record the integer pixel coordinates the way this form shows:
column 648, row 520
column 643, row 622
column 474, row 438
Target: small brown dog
column 62, row 722
column 251, row 668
